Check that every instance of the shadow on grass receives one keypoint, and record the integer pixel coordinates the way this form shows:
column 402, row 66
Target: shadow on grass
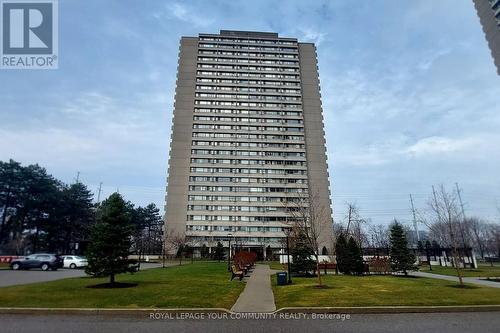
column 115, row 285
column 402, row 276
column 465, row 286
column 323, row 286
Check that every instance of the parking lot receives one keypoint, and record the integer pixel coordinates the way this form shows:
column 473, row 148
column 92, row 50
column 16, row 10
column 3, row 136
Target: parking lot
column 12, row 278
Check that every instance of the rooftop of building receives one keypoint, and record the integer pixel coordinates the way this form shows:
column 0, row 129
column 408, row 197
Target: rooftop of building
column 249, row 34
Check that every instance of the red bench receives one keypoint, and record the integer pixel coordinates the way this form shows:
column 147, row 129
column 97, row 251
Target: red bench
column 326, row 266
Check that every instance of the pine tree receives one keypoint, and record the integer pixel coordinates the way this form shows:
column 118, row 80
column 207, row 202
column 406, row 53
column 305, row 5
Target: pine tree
column 153, row 230
column 343, row 264
column 402, row 260
column 355, row 257
column 204, row 251
column 73, row 216
column 302, row 262
column 219, row 252
column 110, row 242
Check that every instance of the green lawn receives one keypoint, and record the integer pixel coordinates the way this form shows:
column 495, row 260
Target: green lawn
column 275, row 265
column 481, row 271
column 379, row 291
column 196, row 285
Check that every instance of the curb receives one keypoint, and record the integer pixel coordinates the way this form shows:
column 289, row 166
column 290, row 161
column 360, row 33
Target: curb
column 392, row 309
column 145, row 312
column 142, row 312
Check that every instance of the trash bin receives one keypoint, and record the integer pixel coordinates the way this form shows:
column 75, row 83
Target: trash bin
column 281, row 278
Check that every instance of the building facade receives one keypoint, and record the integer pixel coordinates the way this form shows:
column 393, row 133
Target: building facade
column 489, row 15
column 247, row 141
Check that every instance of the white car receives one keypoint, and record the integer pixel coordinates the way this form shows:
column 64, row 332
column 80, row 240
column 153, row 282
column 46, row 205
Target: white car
column 74, row 261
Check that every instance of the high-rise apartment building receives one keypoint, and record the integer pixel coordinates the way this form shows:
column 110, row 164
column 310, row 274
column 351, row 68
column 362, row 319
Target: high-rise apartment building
column 489, row 15
column 247, row 140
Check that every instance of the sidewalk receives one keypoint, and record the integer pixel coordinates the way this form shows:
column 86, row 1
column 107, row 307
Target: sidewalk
column 257, row 295
column 472, row 280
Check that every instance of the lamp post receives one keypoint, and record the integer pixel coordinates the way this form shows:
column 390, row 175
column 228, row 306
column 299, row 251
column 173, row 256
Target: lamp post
column 229, row 253
column 288, row 258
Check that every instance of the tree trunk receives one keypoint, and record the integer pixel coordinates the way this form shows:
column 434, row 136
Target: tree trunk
column 456, row 260
column 320, row 283
column 112, row 279
column 454, row 252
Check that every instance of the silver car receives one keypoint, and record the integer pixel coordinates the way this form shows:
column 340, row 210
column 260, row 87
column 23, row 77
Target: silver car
column 71, row 261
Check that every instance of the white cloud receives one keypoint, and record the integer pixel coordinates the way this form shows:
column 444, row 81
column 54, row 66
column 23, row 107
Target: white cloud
column 309, row 34
column 400, row 148
column 428, row 60
column 93, row 132
column 91, row 103
column 441, row 145
column 186, row 14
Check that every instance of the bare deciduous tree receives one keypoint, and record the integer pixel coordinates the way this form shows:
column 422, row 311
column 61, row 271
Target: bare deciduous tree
column 476, row 231
column 309, row 218
column 446, row 213
column 379, row 236
column 355, row 224
column 493, row 239
column 175, row 242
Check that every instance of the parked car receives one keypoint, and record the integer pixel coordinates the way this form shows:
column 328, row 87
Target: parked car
column 73, row 262
column 44, row 261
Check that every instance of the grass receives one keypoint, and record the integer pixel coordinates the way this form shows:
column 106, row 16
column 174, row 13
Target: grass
column 197, row 285
column 4, row 265
column 276, row 265
column 482, row 271
column 380, row 290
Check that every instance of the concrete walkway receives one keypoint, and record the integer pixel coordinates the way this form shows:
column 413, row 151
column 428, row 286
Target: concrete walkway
column 257, row 295
column 472, row 280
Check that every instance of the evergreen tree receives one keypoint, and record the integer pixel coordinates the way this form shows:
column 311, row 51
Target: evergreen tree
column 11, row 192
column 72, row 217
column 138, row 223
column 40, row 201
column 343, row 264
column 269, row 252
column 153, row 228
column 355, row 257
column 31, row 200
column 80, row 214
column 110, row 242
column 302, row 262
column 204, row 251
column 219, row 252
column 402, row 260
column 148, row 224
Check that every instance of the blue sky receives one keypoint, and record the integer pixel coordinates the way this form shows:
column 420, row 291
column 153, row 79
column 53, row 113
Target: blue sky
column 410, row 96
